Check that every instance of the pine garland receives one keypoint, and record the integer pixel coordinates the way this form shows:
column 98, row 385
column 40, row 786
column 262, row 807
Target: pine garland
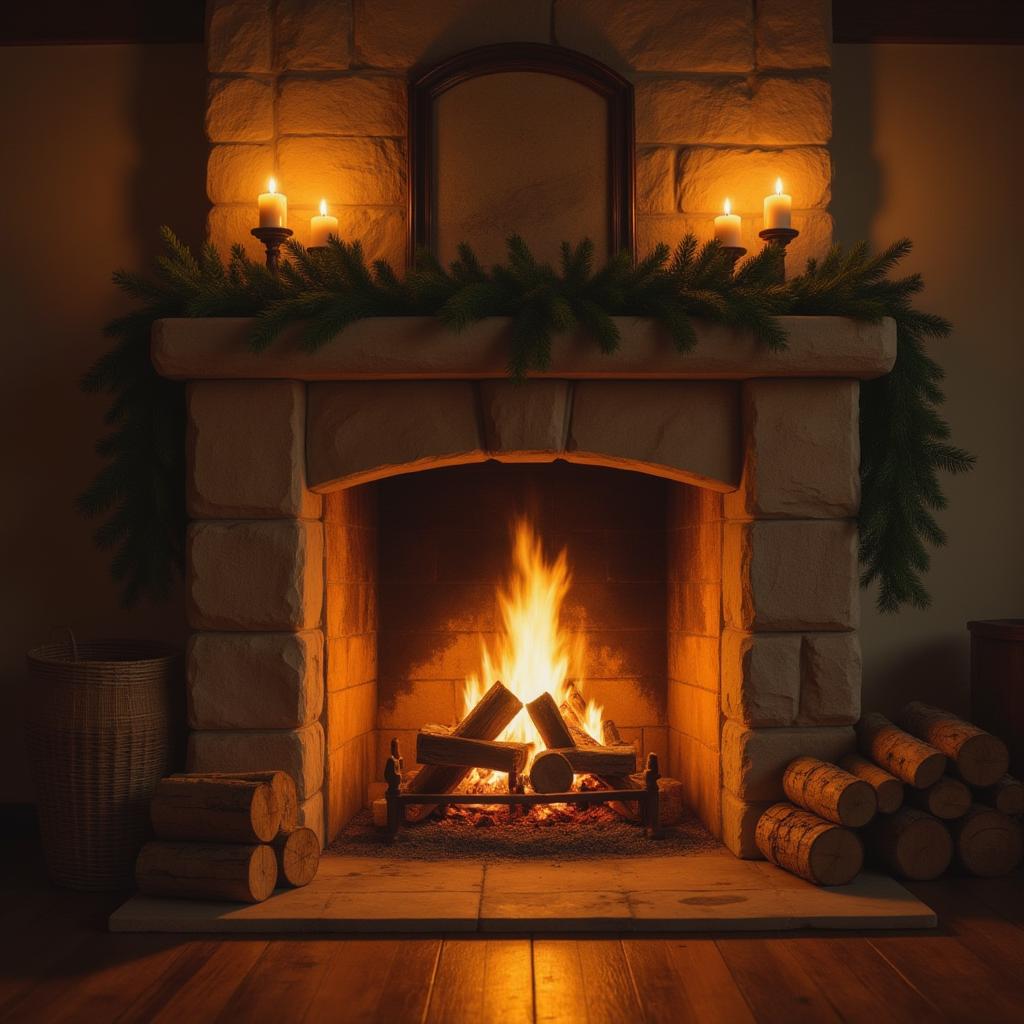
column 140, row 491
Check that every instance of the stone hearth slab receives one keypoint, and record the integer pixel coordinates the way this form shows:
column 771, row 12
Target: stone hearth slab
column 713, row 892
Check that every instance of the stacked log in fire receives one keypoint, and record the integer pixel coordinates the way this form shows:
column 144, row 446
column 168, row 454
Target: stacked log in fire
column 226, row 836
column 921, row 797
column 448, row 756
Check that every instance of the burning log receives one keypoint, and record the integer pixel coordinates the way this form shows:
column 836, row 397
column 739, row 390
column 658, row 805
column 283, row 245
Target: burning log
column 215, row 810
column 987, row 843
column 493, row 712
column 601, row 761
column 282, row 784
column 916, row 763
column 807, row 846
column 947, row 799
column 298, row 855
column 207, row 871
column 1006, row 796
column 888, row 789
column 979, row 757
column 551, row 772
column 462, row 752
column 911, row 844
column 550, row 724
column 828, row 791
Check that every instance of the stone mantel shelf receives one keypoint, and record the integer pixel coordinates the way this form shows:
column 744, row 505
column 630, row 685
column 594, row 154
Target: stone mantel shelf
column 420, row 348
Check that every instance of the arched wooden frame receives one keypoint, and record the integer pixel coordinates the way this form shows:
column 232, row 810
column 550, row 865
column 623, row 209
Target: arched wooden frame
column 427, row 85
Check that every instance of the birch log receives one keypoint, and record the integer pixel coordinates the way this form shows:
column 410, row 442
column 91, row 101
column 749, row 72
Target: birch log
column 298, row 855
column 828, row 791
column 987, row 843
column 979, row 757
column 215, row 810
column 1006, row 796
column 888, row 789
column 916, row 763
column 946, row 799
column 282, row 784
column 911, row 844
column 207, row 871
column 802, row 843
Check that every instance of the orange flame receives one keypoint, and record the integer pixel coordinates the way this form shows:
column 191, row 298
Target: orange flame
column 534, row 653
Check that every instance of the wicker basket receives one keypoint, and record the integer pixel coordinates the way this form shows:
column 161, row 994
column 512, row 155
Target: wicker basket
column 98, row 744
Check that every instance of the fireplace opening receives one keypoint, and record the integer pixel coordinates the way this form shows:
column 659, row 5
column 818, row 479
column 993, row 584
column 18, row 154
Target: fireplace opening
column 586, row 585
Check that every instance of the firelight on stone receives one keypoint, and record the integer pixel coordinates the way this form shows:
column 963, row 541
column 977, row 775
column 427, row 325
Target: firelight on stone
column 777, row 208
column 322, row 227
column 728, row 227
column 273, row 207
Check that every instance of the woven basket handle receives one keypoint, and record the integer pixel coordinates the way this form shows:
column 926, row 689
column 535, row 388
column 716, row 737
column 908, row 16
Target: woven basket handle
column 71, row 636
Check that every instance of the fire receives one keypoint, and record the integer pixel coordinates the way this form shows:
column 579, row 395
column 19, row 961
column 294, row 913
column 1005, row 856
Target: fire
column 534, row 654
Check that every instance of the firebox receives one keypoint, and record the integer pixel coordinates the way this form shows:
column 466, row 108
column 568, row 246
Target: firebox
column 358, row 537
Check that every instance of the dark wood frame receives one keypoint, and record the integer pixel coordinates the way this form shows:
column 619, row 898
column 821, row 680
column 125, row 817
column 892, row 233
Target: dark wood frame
column 427, row 84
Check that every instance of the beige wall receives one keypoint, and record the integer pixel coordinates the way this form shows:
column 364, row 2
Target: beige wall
column 928, row 143
column 102, row 145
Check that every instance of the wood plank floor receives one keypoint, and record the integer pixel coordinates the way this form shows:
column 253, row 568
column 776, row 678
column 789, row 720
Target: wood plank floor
column 58, row 963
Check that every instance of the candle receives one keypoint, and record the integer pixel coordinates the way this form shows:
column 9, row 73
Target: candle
column 322, row 227
column 727, row 228
column 273, row 207
column 777, row 208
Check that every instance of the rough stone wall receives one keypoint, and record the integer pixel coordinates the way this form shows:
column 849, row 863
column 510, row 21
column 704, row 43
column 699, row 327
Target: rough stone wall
column 729, row 95
column 445, row 548
column 350, row 706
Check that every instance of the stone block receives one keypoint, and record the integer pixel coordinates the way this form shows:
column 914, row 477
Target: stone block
column 311, row 815
column 351, row 713
column 344, row 105
column 790, row 112
column 252, row 575
column 694, row 712
column 695, row 607
column 754, row 760
column 313, row 35
column 790, row 575
column 246, row 450
column 300, row 752
column 673, row 111
column 238, row 173
column 239, row 110
column 831, row 687
column 379, row 229
column 255, row 680
column 351, row 609
column 528, row 420
column 760, row 678
column 694, row 660
column 682, row 430
column 739, row 821
column 227, row 225
column 410, row 705
column 801, row 451
column 660, row 35
column 365, row 430
column 698, row 768
column 351, row 661
column 794, row 33
column 705, row 175
column 238, row 36
column 351, row 553
column 398, row 34
column 344, row 171
column 655, row 180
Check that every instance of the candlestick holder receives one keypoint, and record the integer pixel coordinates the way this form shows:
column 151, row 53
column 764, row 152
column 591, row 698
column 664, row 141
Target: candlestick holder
column 734, row 252
column 778, row 236
column 273, row 239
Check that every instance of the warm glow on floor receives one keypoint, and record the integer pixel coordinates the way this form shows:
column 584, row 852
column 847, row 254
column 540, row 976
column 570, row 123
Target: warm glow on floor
column 534, row 653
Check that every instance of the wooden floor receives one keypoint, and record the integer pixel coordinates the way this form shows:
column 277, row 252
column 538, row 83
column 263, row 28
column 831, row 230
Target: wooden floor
column 59, row 964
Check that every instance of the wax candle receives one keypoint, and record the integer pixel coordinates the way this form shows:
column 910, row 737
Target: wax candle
column 322, row 227
column 727, row 228
column 273, row 207
column 777, row 208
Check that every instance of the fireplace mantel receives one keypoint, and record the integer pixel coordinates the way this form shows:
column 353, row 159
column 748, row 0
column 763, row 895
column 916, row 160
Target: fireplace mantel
column 410, row 348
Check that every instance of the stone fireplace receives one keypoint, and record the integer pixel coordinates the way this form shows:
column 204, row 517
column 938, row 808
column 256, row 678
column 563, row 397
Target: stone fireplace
column 350, row 513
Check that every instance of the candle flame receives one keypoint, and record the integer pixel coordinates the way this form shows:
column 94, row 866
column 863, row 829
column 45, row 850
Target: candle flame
column 728, row 207
column 778, row 186
column 271, row 185
column 323, row 207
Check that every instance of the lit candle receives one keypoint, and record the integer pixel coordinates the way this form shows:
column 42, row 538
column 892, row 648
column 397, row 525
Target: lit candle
column 727, row 228
column 322, row 227
column 273, row 207
column 777, row 208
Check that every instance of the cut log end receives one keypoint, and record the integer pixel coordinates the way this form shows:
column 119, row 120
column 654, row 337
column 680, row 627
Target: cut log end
column 1006, row 796
column 551, row 773
column 979, row 758
column 908, row 758
column 809, row 847
column 888, row 789
column 830, row 792
column 948, row 799
column 988, row 844
column 298, row 856
column 912, row 844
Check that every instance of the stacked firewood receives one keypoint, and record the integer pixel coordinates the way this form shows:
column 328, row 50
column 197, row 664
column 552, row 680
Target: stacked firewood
column 448, row 756
column 921, row 797
column 226, row 836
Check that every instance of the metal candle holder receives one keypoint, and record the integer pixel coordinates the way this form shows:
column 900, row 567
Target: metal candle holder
column 273, row 239
column 734, row 252
column 779, row 236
